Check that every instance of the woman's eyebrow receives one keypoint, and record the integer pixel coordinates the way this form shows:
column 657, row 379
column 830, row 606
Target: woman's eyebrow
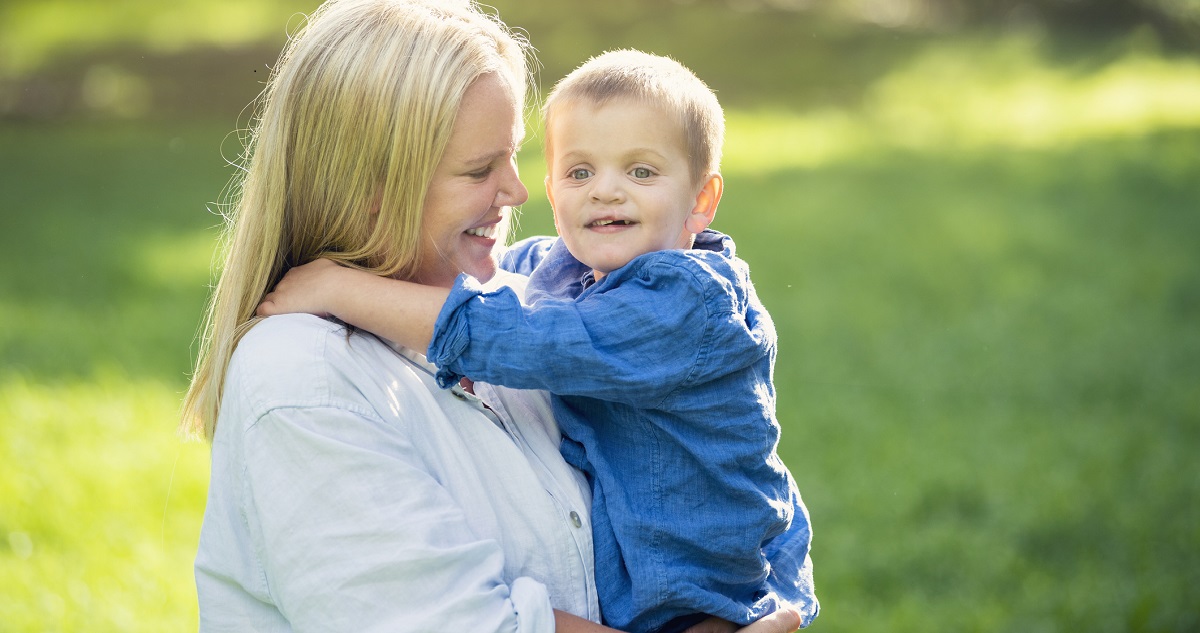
column 484, row 159
column 488, row 157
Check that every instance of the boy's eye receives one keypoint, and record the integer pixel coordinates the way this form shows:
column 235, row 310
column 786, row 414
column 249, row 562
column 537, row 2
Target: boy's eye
column 641, row 172
column 580, row 174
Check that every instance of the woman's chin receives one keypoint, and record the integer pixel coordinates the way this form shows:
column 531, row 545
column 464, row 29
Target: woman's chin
column 483, row 269
column 484, row 275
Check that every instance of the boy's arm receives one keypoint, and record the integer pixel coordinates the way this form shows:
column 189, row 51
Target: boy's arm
column 634, row 343
column 399, row 311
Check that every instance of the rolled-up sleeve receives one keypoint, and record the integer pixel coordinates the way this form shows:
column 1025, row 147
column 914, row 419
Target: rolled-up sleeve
column 619, row 345
column 352, row 532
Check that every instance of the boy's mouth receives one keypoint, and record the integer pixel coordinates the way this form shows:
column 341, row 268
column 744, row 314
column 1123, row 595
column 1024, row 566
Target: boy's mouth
column 611, row 223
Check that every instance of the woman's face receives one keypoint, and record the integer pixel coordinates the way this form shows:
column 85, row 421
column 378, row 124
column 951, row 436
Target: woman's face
column 473, row 187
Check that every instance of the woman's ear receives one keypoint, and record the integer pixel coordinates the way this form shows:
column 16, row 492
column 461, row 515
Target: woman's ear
column 705, row 208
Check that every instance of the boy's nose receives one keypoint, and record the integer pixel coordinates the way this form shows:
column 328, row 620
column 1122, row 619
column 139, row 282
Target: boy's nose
column 607, row 189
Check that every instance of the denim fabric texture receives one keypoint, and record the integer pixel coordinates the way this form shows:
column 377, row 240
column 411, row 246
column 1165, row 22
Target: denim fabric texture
column 662, row 381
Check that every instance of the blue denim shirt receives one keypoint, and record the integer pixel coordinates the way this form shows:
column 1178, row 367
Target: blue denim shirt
column 662, row 377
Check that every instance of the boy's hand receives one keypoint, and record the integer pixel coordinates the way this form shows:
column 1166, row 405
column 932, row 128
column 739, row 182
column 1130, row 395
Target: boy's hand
column 308, row 288
column 784, row 621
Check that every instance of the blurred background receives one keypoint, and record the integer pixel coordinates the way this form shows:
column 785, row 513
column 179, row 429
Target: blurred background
column 975, row 224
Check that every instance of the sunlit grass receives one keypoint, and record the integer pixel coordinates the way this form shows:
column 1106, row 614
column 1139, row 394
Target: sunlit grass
column 975, row 95
column 971, row 96
column 101, row 506
column 167, row 260
column 33, row 32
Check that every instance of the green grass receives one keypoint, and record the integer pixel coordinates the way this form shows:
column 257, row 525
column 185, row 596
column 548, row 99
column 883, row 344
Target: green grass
column 988, row 347
column 106, row 252
column 985, row 382
column 102, row 507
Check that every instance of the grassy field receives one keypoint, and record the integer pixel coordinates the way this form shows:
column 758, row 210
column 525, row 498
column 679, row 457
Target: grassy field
column 986, row 282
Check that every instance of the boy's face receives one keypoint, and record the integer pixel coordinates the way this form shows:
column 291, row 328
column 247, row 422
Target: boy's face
column 619, row 182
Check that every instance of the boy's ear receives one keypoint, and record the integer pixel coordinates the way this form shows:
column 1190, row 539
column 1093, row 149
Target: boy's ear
column 550, row 198
column 705, row 208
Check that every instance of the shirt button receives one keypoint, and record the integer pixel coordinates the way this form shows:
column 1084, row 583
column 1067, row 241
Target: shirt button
column 578, row 522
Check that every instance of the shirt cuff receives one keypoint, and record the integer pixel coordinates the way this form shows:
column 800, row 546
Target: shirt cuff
column 531, row 601
column 450, row 332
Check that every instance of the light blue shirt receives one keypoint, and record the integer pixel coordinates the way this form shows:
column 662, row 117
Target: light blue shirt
column 662, row 380
column 350, row 493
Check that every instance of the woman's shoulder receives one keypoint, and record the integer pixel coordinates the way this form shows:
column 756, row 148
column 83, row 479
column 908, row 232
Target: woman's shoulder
column 285, row 340
column 296, row 360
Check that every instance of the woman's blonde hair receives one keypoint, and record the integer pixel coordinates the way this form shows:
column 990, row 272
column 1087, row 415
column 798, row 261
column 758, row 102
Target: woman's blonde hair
column 355, row 117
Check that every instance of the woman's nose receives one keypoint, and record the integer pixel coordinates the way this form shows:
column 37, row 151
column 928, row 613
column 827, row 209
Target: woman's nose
column 512, row 191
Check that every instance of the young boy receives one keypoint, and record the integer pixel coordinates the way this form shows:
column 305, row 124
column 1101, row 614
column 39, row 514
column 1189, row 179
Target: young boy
column 645, row 327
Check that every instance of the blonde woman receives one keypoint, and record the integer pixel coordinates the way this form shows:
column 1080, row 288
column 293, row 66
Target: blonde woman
column 348, row 492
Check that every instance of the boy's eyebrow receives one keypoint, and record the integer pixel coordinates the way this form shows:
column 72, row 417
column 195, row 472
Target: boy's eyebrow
column 641, row 151
column 578, row 154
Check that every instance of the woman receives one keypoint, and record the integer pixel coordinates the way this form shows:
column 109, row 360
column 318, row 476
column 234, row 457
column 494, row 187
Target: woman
column 349, row 492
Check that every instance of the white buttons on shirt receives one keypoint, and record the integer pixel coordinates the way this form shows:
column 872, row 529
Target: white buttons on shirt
column 575, row 519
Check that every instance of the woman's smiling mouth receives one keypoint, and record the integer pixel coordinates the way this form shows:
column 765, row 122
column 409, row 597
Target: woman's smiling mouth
column 488, row 231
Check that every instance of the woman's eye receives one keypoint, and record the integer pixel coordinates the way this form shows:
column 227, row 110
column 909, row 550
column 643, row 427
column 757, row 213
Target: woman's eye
column 580, row 174
column 641, row 172
column 481, row 174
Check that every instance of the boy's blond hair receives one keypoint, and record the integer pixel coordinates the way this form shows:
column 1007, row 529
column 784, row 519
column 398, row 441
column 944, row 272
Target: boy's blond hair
column 355, row 117
column 653, row 80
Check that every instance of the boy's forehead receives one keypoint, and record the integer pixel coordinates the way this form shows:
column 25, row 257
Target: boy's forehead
column 601, row 116
column 590, row 103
